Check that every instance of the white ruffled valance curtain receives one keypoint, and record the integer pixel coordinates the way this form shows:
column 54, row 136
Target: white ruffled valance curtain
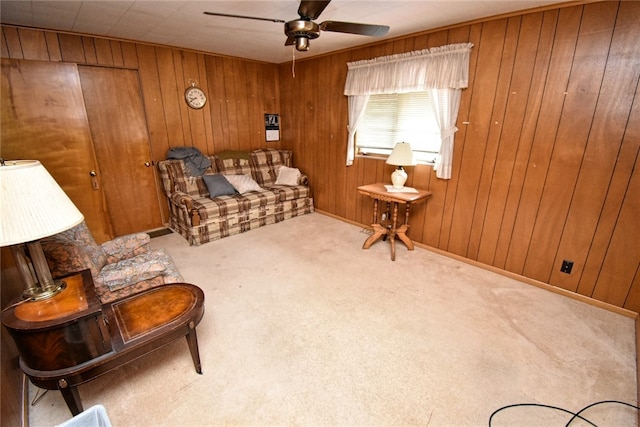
column 442, row 70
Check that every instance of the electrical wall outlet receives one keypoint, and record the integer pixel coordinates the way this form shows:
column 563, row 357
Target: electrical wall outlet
column 566, row 266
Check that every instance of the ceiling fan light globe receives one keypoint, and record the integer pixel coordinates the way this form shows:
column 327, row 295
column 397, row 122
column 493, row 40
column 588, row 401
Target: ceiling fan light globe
column 302, row 44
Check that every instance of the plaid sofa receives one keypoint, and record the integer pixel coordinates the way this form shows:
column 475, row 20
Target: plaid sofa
column 201, row 219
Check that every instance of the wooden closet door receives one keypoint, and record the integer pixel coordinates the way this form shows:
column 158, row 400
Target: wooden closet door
column 121, row 141
column 43, row 118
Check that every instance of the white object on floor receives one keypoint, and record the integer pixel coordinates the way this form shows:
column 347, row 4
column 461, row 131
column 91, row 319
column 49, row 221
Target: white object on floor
column 96, row 416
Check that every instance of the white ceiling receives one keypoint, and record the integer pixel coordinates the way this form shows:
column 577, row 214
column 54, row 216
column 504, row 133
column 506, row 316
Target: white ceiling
column 181, row 23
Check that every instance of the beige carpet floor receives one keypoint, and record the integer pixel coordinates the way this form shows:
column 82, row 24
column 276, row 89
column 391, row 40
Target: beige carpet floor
column 304, row 328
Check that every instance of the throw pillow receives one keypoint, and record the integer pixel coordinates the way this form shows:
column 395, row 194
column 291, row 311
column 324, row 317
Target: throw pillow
column 288, row 176
column 243, row 183
column 218, row 185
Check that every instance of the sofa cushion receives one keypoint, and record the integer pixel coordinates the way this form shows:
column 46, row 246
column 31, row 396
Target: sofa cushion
column 265, row 164
column 223, row 206
column 243, row 183
column 126, row 246
column 288, row 176
column 232, row 166
column 218, row 185
column 130, row 271
column 233, row 154
column 289, row 192
column 170, row 274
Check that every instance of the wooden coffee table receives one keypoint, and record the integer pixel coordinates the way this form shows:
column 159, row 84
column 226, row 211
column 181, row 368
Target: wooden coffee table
column 70, row 339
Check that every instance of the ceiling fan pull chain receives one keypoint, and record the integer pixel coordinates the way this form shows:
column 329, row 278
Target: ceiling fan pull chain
column 293, row 63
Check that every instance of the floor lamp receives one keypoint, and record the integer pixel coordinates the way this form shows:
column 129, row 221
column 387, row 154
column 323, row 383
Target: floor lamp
column 33, row 206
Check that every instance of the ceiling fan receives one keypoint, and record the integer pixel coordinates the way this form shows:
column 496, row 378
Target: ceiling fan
column 300, row 31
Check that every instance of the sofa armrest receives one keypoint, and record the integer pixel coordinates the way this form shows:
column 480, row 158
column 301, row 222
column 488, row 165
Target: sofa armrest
column 185, row 202
column 181, row 199
column 125, row 247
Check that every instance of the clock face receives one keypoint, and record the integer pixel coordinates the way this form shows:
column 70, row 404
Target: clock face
column 195, row 97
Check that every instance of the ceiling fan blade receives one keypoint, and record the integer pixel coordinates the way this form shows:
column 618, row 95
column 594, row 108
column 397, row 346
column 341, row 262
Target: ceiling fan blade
column 353, row 28
column 226, row 15
column 311, row 9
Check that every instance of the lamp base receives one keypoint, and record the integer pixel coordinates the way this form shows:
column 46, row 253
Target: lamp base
column 398, row 177
column 37, row 293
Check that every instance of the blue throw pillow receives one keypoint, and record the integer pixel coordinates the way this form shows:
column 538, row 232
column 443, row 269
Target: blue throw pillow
column 218, row 185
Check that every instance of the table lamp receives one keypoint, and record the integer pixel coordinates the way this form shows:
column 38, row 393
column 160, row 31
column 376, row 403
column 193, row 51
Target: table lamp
column 400, row 156
column 33, row 206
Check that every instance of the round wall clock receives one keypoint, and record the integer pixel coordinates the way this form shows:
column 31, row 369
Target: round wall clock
column 195, row 97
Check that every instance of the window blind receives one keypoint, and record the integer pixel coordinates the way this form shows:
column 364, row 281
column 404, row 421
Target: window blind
column 393, row 118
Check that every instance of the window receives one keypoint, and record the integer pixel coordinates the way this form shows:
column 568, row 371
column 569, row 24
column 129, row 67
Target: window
column 441, row 72
column 393, row 118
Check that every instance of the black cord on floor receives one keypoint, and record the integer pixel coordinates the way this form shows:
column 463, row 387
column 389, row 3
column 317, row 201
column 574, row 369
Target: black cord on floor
column 600, row 403
column 539, row 405
column 574, row 414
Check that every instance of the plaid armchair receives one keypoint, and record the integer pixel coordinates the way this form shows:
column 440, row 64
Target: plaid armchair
column 120, row 267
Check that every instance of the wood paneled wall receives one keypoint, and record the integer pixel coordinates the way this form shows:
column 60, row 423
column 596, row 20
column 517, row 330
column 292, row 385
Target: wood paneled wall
column 239, row 92
column 545, row 157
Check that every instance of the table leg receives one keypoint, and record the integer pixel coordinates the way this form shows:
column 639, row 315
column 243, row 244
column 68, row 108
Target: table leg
column 192, row 341
column 375, row 211
column 406, row 213
column 402, row 235
column 392, row 240
column 72, row 398
column 392, row 232
column 402, row 231
column 378, row 230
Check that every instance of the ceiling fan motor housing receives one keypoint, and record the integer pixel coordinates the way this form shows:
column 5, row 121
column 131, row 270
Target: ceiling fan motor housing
column 301, row 27
column 302, row 31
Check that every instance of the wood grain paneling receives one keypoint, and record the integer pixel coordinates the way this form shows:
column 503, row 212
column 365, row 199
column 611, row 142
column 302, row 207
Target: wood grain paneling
column 513, row 117
column 577, row 117
column 545, row 157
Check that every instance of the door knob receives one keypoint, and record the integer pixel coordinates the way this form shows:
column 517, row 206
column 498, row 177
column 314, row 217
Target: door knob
column 94, row 180
column 147, row 164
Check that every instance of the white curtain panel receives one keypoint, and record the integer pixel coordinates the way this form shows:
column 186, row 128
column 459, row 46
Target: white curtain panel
column 444, row 67
column 446, row 104
column 357, row 107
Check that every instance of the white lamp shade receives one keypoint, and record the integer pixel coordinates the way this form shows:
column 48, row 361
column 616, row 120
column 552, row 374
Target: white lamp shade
column 32, row 204
column 401, row 155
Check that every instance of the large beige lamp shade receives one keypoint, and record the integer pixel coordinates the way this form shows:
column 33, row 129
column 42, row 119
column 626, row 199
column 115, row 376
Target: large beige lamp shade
column 32, row 206
column 402, row 155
